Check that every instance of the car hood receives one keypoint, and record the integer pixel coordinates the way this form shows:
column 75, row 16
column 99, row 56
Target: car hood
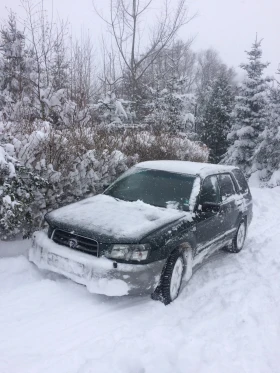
column 110, row 220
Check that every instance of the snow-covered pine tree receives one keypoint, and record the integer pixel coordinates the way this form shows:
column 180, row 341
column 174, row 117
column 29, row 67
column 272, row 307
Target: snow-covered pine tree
column 13, row 81
column 172, row 105
column 215, row 121
column 267, row 156
column 249, row 115
column 171, row 108
column 111, row 111
column 209, row 66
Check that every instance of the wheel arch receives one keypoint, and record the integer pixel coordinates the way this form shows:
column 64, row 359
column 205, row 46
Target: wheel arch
column 188, row 254
column 186, row 250
column 241, row 217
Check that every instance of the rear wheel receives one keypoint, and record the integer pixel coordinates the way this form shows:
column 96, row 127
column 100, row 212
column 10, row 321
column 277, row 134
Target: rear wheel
column 239, row 239
column 172, row 278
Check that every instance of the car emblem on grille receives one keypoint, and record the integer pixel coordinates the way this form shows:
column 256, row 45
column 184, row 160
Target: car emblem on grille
column 73, row 243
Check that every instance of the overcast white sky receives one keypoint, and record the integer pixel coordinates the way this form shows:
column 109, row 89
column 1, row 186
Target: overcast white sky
column 229, row 26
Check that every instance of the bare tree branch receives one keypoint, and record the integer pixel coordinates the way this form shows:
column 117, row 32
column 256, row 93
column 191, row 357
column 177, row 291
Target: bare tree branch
column 124, row 24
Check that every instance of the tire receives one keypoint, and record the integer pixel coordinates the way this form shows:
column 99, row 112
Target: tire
column 239, row 238
column 171, row 278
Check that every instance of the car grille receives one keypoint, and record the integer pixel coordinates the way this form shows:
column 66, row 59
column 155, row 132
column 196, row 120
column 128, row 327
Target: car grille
column 75, row 242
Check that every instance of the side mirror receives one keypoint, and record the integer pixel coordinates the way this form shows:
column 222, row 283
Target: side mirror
column 210, row 207
column 105, row 186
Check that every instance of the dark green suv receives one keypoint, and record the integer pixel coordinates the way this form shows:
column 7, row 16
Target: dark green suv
column 148, row 230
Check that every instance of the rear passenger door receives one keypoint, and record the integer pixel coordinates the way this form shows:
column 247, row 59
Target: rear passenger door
column 209, row 227
column 229, row 205
column 245, row 195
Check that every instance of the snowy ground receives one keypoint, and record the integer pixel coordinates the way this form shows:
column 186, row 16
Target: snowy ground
column 226, row 320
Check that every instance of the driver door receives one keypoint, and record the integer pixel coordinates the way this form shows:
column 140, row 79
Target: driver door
column 209, row 227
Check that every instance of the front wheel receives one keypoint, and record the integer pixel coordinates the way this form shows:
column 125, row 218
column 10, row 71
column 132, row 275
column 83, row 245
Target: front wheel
column 239, row 238
column 172, row 277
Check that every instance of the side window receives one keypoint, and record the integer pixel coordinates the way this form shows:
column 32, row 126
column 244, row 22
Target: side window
column 241, row 181
column 210, row 190
column 226, row 186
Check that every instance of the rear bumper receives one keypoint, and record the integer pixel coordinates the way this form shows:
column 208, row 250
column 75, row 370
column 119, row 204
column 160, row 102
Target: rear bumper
column 97, row 274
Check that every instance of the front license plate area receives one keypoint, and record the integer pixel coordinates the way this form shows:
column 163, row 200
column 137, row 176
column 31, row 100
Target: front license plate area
column 66, row 265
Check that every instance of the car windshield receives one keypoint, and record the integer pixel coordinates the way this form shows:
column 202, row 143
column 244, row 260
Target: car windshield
column 158, row 188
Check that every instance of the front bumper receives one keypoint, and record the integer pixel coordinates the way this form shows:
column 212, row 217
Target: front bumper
column 97, row 274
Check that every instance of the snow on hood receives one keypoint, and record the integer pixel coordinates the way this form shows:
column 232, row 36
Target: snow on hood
column 115, row 219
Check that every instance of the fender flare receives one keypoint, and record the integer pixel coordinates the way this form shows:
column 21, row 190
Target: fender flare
column 188, row 254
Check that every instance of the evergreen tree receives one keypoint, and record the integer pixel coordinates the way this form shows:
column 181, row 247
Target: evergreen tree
column 215, row 121
column 111, row 111
column 13, row 81
column 267, row 156
column 171, row 108
column 249, row 114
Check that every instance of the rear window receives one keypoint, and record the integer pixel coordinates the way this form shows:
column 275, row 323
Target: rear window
column 241, row 181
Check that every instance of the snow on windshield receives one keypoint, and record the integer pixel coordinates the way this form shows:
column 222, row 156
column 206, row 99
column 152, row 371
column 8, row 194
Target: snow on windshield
column 154, row 187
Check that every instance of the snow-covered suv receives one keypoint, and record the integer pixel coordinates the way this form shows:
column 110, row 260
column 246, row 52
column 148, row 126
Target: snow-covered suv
column 148, row 230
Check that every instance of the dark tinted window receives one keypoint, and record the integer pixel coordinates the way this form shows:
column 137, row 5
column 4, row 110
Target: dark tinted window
column 226, row 186
column 159, row 188
column 210, row 190
column 241, row 181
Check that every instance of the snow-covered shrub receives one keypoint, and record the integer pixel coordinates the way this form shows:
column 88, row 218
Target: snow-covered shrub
column 93, row 171
column 44, row 166
column 149, row 146
column 111, row 111
column 21, row 197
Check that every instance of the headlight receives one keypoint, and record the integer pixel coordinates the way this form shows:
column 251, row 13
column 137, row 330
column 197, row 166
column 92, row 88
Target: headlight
column 129, row 252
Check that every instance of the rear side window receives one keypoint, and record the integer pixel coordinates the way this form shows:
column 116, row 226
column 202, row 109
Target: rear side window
column 226, row 186
column 210, row 190
column 241, row 181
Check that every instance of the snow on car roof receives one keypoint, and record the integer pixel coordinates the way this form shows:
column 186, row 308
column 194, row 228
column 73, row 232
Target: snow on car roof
column 185, row 167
